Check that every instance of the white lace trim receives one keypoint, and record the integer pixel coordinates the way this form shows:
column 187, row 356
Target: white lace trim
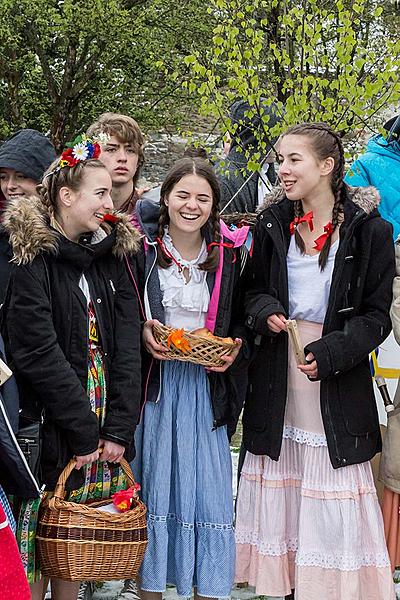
column 251, row 537
column 341, row 562
column 316, row 440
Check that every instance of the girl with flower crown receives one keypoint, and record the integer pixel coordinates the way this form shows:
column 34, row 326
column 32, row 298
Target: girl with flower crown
column 307, row 513
column 72, row 335
column 190, row 266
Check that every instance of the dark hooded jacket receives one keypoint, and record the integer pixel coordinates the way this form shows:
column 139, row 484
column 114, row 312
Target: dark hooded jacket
column 45, row 328
column 357, row 321
column 227, row 389
column 15, row 475
column 31, row 153
column 236, row 180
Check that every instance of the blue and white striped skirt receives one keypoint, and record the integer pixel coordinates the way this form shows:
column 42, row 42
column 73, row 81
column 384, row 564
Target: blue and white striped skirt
column 7, row 509
column 184, row 468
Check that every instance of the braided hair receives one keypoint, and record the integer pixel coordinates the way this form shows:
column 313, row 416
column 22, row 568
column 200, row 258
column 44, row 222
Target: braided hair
column 55, row 178
column 325, row 143
column 202, row 168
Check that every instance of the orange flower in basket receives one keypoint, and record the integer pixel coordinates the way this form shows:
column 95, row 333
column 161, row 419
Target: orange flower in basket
column 176, row 338
column 123, row 500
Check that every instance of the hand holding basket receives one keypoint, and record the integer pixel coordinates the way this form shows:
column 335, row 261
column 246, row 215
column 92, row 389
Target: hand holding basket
column 198, row 346
column 80, row 542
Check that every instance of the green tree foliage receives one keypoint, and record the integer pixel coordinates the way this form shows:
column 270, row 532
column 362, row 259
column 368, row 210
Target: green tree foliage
column 331, row 60
column 63, row 62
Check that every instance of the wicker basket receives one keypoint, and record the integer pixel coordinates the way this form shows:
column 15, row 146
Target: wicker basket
column 77, row 542
column 204, row 350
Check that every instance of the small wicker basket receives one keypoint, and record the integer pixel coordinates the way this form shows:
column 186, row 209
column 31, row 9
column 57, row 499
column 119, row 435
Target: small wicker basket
column 78, row 542
column 204, row 350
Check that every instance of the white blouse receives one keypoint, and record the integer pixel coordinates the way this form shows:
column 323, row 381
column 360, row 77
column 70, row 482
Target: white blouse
column 309, row 287
column 185, row 302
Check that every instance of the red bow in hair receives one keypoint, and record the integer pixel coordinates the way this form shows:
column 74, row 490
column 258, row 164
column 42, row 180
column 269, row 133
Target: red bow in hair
column 168, row 254
column 308, row 218
column 320, row 241
column 224, row 245
column 110, row 218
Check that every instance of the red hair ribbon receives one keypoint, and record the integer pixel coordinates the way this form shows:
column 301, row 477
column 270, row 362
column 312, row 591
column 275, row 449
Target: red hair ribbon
column 110, row 218
column 168, row 254
column 223, row 245
column 308, row 218
column 320, row 241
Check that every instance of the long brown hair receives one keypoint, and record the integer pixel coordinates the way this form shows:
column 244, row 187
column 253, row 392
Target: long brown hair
column 202, row 168
column 325, row 142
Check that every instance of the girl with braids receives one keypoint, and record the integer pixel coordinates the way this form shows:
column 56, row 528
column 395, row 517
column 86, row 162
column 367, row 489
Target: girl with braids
column 308, row 518
column 72, row 334
column 191, row 265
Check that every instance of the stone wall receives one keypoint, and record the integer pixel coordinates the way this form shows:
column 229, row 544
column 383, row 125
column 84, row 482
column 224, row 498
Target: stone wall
column 162, row 150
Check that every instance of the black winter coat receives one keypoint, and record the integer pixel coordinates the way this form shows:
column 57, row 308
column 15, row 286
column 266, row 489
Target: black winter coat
column 234, row 176
column 5, row 264
column 357, row 321
column 46, row 335
column 15, row 476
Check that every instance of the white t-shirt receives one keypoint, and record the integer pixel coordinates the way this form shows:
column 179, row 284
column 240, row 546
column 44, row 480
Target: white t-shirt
column 309, row 287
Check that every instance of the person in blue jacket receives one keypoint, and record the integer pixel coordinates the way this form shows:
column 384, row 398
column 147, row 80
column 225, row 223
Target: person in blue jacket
column 380, row 167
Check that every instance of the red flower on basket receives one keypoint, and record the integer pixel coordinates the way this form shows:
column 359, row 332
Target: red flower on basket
column 176, row 338
column 123, row 500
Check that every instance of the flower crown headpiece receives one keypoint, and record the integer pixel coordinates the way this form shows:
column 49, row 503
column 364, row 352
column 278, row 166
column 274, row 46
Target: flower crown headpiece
column 81, row 149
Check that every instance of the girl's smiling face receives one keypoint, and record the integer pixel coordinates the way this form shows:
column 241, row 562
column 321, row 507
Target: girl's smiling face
column 83, row 210
column 189, row 204
column 15, row 184
column 302, row 175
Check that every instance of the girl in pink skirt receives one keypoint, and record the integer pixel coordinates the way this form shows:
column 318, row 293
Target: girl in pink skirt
column 308, row 518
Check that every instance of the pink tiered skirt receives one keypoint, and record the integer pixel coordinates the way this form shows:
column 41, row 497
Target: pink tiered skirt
column 303, row 525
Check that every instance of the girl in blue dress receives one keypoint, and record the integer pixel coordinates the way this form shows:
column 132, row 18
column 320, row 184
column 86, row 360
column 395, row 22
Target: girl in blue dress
column 190, row 266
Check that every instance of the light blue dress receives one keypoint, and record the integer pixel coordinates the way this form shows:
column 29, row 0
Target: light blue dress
column 184, row 468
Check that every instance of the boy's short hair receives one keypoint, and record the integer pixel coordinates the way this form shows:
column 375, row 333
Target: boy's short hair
column 124, row 128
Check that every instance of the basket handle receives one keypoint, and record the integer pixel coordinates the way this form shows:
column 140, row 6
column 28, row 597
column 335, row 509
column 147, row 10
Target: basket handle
column 59, row 491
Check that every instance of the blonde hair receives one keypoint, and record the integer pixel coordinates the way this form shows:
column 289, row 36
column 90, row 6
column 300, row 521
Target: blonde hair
column 71, row 177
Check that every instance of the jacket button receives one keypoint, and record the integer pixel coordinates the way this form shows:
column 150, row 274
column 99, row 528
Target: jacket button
column 344, row 461
column 98, row 300
column 337, row 373
column 250, row 320
column 269, row 224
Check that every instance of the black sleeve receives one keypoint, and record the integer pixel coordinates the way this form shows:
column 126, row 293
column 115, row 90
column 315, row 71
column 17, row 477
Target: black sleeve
column 39, row 359
column 339, row 351
column 259, row 303
column 123, row 395
column 237, row 328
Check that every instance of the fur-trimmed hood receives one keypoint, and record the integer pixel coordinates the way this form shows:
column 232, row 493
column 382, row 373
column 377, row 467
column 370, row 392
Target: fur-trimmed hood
column 28, row 225
column 366, row 198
